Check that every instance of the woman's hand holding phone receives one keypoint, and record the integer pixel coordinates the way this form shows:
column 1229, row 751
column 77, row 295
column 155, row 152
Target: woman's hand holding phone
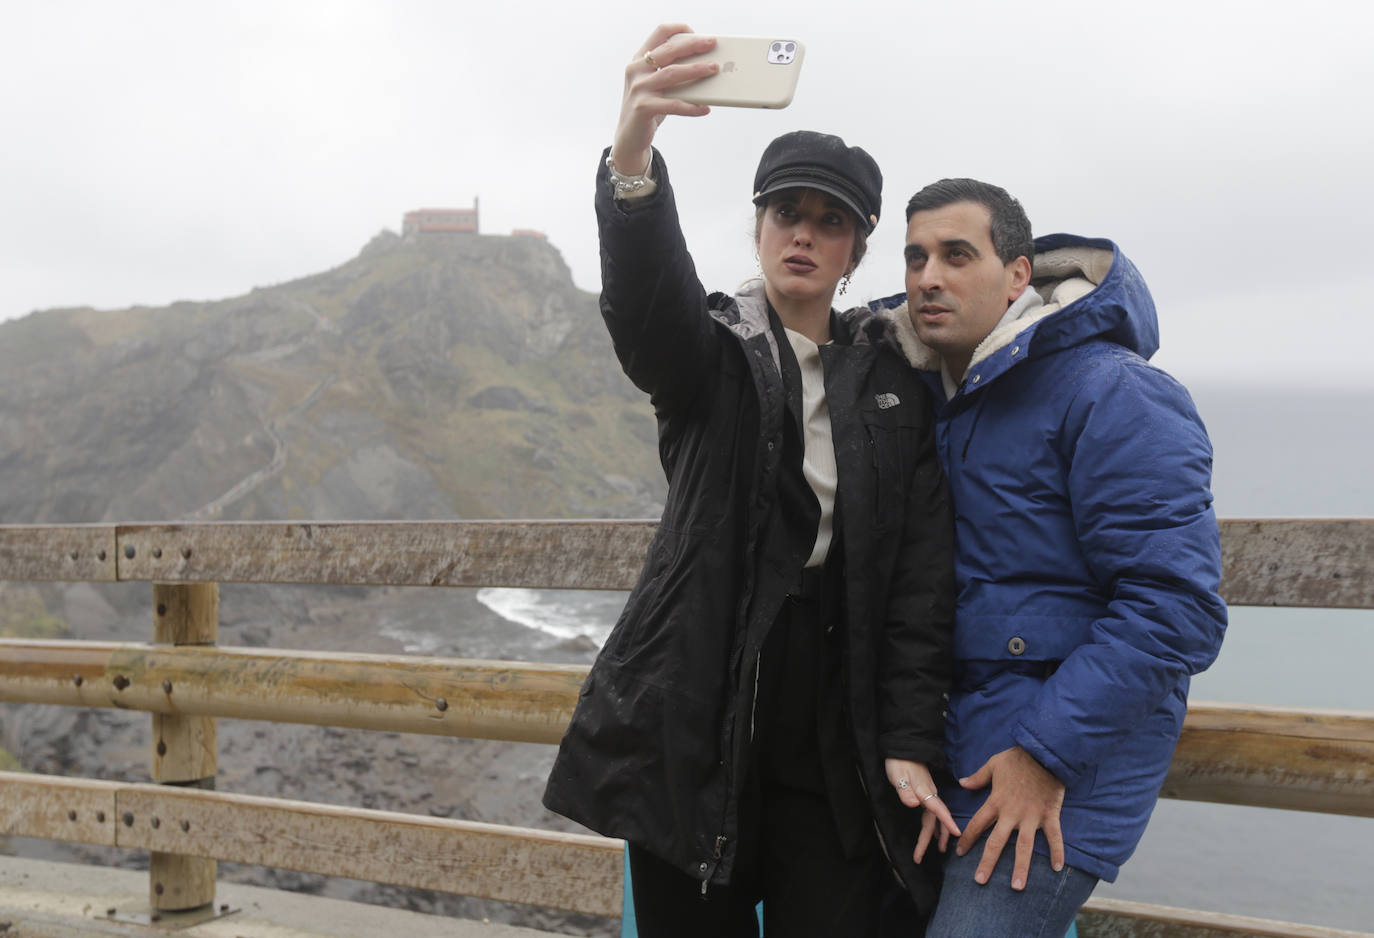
column 655, row 69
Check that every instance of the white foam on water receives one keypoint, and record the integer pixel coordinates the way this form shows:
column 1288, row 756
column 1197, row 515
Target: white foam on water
column 563, row 614
column 413, row 642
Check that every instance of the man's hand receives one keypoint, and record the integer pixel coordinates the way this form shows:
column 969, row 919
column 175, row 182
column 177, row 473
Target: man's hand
column 916, row 789
column 1025, row 798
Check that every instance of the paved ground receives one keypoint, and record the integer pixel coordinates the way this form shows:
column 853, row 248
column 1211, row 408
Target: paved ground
column 39, row 899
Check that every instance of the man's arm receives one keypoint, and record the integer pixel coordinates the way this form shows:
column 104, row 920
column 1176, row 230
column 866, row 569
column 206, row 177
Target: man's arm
column 1139, row 482
column 1140, row 486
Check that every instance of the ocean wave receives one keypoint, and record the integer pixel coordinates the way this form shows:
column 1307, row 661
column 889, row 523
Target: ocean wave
column 413, row 641
column 563, row 614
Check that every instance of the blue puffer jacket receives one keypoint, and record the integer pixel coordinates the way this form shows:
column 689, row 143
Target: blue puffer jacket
column 1088, row 555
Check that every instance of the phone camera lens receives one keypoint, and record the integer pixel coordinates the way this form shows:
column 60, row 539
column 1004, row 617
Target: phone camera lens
column 777, row 47
column 791, row 47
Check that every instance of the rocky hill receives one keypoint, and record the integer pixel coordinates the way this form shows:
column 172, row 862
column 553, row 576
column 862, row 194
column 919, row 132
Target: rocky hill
column 433, row 376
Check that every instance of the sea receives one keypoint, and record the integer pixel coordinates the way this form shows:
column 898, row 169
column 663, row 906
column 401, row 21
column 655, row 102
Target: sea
column 1279, row 453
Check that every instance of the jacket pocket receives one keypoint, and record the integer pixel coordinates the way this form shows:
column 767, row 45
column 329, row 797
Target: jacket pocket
column 892, row 438
column 1013, row 638
column 643, row 610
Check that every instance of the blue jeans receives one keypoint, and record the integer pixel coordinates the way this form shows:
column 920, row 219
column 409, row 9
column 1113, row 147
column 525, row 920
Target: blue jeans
column 1044, row 909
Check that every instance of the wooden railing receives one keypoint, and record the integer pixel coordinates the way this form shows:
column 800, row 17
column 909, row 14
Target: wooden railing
column 1269, row 757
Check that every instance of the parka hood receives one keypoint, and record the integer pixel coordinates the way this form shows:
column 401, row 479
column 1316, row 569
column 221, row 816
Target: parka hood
column 747, row 317
column 1089, row 289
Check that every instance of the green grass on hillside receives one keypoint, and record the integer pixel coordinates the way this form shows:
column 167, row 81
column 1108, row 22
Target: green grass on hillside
column 24, row 615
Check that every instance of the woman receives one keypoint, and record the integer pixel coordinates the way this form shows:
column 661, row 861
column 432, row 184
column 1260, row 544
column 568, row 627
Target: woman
column 790, row 630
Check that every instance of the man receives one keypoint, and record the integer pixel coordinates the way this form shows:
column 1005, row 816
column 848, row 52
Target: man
column 1087, row 558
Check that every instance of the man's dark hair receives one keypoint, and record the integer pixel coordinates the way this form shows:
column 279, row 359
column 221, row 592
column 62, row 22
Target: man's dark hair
column 1011, row 229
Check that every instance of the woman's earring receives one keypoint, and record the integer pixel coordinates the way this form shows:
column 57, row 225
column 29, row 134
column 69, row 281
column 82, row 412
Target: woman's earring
column 844, row 284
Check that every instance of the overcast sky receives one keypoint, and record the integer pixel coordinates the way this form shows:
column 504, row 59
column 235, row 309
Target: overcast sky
column 164, row 151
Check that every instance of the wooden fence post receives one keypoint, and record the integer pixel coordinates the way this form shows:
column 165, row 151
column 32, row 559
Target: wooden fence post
column 185, row 748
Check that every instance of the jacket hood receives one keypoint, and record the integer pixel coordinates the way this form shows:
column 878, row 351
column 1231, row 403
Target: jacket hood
column 748, row 317
column 1089, row 289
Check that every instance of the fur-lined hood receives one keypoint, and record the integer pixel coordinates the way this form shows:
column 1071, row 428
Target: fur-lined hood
column 747, row 316
column 1088, row 289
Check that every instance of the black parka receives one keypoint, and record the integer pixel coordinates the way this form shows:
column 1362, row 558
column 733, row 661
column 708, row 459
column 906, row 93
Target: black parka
column 657, row 746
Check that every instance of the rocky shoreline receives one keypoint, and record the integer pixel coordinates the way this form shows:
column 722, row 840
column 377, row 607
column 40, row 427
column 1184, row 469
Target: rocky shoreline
column 479, row 780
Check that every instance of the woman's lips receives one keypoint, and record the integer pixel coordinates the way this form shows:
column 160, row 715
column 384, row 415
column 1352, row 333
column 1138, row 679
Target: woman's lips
column 799, row 264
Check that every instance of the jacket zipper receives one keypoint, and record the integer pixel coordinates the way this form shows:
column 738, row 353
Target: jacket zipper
column 709, row 869
column 977, row 413
column 868, row 795
column 877, row 828
column 754, row 703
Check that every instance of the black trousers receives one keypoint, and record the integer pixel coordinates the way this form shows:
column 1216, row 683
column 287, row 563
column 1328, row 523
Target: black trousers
column 817, row 876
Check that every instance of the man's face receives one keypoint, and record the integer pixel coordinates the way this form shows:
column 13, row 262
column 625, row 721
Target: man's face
column 957, row 287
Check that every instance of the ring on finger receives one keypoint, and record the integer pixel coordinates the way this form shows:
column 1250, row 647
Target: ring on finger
column 649, row 60
column 903, row 784
column 928, row 797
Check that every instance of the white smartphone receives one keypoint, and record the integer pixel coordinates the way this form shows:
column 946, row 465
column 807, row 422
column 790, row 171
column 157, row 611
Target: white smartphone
column 755, row 71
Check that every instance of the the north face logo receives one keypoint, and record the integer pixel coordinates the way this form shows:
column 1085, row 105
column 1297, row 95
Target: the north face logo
column 886, row 399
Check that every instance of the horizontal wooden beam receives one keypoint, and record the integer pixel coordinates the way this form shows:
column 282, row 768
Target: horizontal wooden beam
column 1298, row 562
column 566, row 871
column 53, row 808
column 397, row 693
column 57, row 552
column 1310, row 760
column 576, row 872
column 534, row 554
column 1304, row 760
column 1113, row 918
column 1266, row 562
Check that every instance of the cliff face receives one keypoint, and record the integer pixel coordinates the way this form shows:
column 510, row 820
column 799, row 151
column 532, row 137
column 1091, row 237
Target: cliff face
column 440, row 376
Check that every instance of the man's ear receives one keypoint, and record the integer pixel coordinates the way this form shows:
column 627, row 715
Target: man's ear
column 1018, row 278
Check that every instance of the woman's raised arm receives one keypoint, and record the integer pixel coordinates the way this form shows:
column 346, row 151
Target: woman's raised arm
column 655, row 68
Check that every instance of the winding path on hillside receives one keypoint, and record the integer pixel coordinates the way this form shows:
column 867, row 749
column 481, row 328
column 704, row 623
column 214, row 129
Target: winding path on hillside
column 245, row 486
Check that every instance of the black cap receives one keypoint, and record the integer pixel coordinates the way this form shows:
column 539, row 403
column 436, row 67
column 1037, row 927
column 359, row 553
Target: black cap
column 806, row 159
